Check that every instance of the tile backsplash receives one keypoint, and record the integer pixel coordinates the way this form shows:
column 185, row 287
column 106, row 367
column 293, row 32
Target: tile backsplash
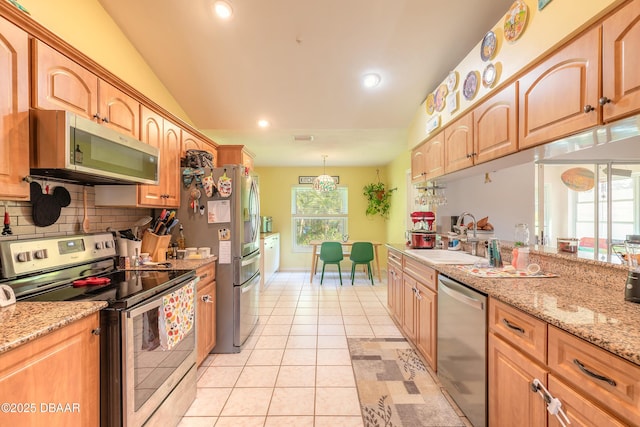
column 70, row 221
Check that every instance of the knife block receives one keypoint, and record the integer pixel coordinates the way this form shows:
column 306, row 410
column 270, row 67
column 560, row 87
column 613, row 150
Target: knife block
column 156, row 246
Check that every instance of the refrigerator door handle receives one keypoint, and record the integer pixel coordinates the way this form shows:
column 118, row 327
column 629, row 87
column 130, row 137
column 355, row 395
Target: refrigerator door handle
column 250, row 259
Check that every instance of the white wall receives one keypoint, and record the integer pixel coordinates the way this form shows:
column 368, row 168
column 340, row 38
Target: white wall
column 507, row 200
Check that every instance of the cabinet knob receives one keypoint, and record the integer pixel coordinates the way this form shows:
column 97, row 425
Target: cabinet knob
column 96, row 331
column 96, row 116
column 105, row 119
column 604, row 100
column 588, row 108
column 207, row 298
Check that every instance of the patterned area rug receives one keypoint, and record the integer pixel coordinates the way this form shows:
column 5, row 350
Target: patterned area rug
column 395, row 387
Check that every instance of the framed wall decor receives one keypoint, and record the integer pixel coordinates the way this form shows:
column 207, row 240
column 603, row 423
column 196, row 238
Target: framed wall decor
column 309, row 179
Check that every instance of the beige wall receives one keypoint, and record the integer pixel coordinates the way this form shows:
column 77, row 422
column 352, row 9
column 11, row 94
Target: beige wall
column 545, row 30
column 275, row 201
column 85, row 25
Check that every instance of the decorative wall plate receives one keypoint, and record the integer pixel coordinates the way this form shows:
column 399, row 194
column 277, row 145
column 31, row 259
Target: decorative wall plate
column 430, row 103
column 488, row 46
column 489, row 75
column 441, row 93
column 452, row 102
column 515, row 21
column 470, row 86
column 578, row 179
column 452, row 80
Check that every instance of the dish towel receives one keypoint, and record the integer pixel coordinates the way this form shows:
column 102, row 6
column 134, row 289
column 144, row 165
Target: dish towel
column 177, row 315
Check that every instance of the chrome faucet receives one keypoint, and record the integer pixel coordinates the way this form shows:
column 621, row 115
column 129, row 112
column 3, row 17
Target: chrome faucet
column 473, row 240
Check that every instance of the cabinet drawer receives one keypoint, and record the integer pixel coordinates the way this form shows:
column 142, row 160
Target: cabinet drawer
column 518, row 328
column 395, row 258
column 421, row 272
column 206, row 274
column 605, row 377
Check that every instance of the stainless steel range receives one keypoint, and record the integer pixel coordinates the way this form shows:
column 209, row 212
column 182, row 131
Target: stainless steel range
column 145, row 379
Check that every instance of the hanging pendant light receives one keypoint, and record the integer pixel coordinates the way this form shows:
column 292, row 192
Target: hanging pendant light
column 324, row 183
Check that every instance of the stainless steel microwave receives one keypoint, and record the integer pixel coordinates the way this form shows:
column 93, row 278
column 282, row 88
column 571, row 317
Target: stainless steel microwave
column 70, row 147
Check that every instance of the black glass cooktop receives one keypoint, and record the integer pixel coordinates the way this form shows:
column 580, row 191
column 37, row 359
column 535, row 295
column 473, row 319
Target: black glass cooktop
column 126, row 288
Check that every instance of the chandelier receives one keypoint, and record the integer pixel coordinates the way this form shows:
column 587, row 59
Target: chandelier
column 324, row 183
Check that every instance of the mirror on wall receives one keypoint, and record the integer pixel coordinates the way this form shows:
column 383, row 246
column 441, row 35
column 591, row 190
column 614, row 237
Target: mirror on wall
column 586, row 208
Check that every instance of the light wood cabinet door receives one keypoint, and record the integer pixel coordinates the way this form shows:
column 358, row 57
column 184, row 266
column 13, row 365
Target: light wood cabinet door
column 234, row 155
column 511, row 399
column 580, row 411
column 165, row 136
column 621, row 62
column 495, row 129
column 118, row 110
column 61, row 84
column 458, row 144
column 560, row 96
column 62, row 367
column 409, row 307
column 418, row 164
column 14, row 110
column 205, row 311
column 192, row 142
column 426, row 324
column 394, row 285
column 434, row 157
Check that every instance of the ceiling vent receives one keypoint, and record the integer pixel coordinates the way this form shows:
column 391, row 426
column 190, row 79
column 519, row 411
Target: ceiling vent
column 303, row 138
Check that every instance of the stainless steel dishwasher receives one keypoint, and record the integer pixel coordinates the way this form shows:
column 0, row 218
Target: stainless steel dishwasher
column 462, row 347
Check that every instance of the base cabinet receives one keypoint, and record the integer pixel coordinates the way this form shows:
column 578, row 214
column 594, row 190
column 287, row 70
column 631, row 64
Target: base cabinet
column 412, row 300
column 54, row 380
column 270, row 260
column 206, row 311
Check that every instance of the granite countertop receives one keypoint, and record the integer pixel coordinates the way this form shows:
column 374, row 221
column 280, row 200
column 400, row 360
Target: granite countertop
column 593, row 310
column 180, row 264
column 25, row 321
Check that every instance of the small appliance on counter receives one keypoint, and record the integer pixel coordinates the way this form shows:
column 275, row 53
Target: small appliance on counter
column 632, row 258
column 266, row 224
column 422, row 235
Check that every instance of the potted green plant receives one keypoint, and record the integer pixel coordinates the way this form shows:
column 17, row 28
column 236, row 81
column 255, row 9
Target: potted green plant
column 378, row 199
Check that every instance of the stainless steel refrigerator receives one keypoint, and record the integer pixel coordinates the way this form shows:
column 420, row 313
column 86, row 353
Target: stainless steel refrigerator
column 227, row 221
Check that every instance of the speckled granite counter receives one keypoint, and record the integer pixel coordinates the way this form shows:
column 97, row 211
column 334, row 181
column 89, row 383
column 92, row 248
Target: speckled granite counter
column 586, row 300
column 26, row 321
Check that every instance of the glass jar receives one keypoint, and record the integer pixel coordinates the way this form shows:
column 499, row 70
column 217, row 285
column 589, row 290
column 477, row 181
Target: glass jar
column 521, row 236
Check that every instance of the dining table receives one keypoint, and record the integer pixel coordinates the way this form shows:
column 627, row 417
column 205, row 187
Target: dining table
column 346, row 248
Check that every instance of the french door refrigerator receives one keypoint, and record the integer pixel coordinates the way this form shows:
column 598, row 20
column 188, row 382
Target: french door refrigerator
column 219, row 208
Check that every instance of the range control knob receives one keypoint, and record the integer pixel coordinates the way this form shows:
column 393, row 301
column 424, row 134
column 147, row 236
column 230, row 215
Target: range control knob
column 98, row 245
column 23, row 256
column 108, row 244
column 40, row 254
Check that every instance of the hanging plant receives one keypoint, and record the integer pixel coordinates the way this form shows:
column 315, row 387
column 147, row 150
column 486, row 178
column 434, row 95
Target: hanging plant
column 378, row 198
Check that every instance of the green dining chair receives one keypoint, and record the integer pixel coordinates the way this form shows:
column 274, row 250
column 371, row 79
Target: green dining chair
column 331, row 253
column 361, row 253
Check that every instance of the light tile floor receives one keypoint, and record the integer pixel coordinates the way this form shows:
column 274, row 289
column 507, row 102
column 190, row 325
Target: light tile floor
column 295, row 369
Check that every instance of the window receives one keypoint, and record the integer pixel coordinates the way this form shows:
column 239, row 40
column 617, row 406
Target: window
column 318, row 216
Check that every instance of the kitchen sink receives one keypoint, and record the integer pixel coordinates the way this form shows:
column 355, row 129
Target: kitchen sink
column 439, row 256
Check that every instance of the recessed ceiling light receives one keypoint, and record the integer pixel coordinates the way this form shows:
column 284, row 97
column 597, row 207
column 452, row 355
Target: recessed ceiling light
column 371, row 80
column 223, row 9
column 263, row 123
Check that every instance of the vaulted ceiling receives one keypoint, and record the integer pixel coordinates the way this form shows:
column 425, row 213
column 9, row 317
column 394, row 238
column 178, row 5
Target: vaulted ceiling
column 299, row 65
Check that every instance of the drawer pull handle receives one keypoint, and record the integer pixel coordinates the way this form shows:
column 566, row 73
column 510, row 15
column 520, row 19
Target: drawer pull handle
column 593, row 374
column 512, row 326
column 204, row 276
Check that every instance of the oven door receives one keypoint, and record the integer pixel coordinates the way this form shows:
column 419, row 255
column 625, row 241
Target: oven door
column 151, row 372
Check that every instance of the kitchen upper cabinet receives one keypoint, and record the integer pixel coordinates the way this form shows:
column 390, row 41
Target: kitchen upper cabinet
column 165, row 135
column 234, row 155
column 206, row 311
column 512, row 402
column 560, row 96
column 62, row 84
column 427, row 160
column 458, row 144
column 191, row 142
column 61, row 368
column 14, row 110
column 621, row 62
column 495, row 128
